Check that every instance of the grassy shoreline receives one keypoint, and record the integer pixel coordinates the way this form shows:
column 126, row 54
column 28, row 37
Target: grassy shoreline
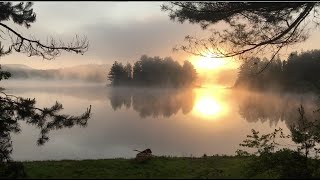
column 157, row 167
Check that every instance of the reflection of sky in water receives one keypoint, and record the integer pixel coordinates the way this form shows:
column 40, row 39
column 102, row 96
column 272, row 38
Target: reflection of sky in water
column 170, row 122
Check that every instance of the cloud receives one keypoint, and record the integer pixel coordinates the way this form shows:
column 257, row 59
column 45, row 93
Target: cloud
column 130, row 41
column 116, row 31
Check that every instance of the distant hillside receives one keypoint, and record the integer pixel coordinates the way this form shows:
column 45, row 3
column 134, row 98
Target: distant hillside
column 15, row 66
column 89, row 72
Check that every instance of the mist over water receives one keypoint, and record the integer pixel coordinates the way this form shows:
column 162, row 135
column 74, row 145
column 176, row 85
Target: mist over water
column 177, row 122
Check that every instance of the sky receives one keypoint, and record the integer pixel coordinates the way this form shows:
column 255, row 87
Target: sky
column 121, row 31
column 117, row 31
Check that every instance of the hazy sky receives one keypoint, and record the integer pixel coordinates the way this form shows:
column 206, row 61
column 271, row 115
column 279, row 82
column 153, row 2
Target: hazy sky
column 121, row 31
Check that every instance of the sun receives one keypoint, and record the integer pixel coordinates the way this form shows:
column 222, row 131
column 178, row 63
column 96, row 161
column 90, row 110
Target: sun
column 208, row 63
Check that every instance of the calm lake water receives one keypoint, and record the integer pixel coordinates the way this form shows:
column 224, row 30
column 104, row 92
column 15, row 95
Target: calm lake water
column 177, row 122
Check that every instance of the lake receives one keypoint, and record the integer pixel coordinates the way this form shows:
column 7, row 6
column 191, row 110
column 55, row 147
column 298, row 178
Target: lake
column 175, row 122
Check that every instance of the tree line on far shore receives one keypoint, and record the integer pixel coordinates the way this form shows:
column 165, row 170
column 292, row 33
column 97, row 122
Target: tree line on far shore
column 300, row 72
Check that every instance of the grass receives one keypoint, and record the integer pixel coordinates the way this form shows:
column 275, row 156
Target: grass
column 157, row 167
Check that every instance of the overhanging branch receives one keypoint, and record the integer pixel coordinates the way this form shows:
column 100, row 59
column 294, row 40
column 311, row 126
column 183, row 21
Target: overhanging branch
column 36, row 48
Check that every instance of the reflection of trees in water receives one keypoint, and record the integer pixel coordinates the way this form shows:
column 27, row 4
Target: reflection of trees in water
column 277, row 107
column 119, row 98
column 153, row 102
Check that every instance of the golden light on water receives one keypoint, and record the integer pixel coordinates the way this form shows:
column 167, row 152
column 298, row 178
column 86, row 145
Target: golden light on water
column 209, row 104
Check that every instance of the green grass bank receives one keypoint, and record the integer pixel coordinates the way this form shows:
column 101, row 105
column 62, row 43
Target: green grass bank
column 157, row 167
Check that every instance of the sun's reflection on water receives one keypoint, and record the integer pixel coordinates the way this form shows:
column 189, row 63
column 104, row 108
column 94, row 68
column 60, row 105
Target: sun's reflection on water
column 209, row 103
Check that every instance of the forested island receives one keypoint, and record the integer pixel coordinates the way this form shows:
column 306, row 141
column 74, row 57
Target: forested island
column 153, row 71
